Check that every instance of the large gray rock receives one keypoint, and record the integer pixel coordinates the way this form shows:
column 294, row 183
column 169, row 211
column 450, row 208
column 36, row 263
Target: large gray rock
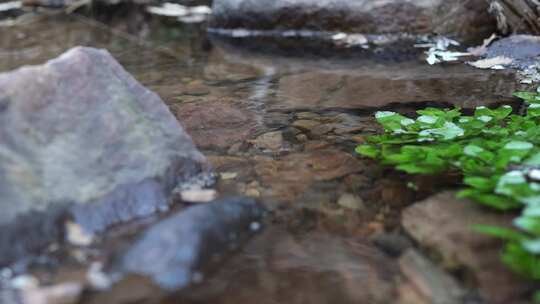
column 80, row 134
column 461, row 18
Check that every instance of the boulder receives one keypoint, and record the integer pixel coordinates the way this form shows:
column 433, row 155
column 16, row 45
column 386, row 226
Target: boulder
column 81, row 138
column 464, row 18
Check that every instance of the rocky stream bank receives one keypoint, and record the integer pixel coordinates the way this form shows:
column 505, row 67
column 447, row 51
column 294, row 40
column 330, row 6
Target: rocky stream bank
column 160, row 163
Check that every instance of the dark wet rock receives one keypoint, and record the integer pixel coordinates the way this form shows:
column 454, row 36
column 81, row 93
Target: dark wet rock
column 177, row 251
column 443, row 223
column 216, row 124
column 79, row 134
column 431, row 283
column 466, row 18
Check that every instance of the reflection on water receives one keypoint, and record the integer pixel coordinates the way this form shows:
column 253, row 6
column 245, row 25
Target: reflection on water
column 168, row 58
column 227, row 96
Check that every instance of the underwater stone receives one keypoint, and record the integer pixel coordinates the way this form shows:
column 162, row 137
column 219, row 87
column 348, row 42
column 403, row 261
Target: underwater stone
column 176, row 252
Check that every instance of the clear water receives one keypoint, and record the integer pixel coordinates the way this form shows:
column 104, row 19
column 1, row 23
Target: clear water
column 227, row 93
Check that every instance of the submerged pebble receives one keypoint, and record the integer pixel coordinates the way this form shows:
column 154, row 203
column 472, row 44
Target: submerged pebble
column 177, row 251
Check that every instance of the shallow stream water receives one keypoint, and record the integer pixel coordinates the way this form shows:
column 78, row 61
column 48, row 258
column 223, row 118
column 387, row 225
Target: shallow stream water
column 280, row 122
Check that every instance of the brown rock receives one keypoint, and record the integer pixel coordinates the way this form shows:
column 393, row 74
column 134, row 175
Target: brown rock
column 215, row 124
column 351, row 201
column 290, row 176
column 316, row 145
column 429, row 281
column 322, row 129
column 302, row 137
column 372, row 87
column 269, row 141
column 442, row 224
column 305, row 125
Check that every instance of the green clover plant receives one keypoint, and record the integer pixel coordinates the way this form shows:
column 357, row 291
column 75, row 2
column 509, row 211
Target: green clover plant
column 497, row 153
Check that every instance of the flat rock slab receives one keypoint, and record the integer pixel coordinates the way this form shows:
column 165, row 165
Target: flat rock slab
column 443, row 223
column 464, row 18
column 378, row 87
column 79, row 133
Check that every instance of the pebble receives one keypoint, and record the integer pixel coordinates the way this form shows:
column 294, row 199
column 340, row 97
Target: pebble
column 305, row 125
column 198, row 195
column 228, row 175
column 97, row 278
column 307, row 115
column 255, row 226
column 76, row 235
column 351, row 201
column 322, row 129
column 375, row 227
column 269, row 141
column 302, row 137
column 316, row 145
column 253, row 192
column 359, row 139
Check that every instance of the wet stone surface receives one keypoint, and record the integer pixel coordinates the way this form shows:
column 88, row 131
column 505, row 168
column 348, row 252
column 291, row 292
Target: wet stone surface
column 459, row 18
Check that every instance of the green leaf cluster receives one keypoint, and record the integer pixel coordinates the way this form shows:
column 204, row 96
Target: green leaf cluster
column 496, row 151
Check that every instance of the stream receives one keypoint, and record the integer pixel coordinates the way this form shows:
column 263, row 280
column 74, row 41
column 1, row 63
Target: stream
column 279, row 121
